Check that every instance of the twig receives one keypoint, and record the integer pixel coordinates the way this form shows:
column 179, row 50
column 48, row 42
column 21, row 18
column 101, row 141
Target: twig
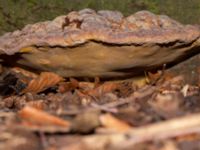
column 163, row 130
column 102, row 107
column 167, row 129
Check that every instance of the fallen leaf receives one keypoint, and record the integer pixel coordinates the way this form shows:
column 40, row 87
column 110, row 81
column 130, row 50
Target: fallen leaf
column 39, row 117
column 111, row 122
column 68, row 86
column 102, row 89
column 41, row 83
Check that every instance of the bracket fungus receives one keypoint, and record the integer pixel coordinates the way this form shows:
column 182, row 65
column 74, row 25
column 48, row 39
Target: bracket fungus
column 105, row 43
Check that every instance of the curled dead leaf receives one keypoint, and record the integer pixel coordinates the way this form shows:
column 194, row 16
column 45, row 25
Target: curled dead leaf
column 67, row 86
column 42, row 82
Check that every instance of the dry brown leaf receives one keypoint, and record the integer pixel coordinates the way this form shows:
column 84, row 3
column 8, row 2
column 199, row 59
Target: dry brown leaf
column 96, row 81
column 44, row 81
column 111, row 122
column 160, row 75
column 86, row 86
column 39, row 117
column 102, row 89
column 153, row 76
column 96, row 92
column 25, row 72
column 67, row 86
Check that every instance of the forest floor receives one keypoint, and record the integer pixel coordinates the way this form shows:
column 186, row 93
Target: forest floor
column 161, row 111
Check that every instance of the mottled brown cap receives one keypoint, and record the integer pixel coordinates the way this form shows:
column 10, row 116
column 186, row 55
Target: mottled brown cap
column 105, row 26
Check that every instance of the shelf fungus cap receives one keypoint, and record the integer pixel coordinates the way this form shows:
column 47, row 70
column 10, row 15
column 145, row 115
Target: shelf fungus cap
column 139, row 36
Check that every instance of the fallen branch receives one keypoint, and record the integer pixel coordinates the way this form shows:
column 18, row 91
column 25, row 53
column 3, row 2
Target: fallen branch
column 163, row 130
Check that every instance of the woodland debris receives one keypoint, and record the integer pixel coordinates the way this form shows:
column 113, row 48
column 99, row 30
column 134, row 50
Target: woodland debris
column 35, row 117
column 43, row 109
column 110, row 122
column 44, row 81
column 158, row 131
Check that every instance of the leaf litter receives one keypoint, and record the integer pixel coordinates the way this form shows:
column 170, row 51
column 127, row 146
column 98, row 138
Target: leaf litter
column 56, row 113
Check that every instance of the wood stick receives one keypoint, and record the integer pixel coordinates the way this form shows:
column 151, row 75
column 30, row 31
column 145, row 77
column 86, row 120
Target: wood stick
column 157, row 131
